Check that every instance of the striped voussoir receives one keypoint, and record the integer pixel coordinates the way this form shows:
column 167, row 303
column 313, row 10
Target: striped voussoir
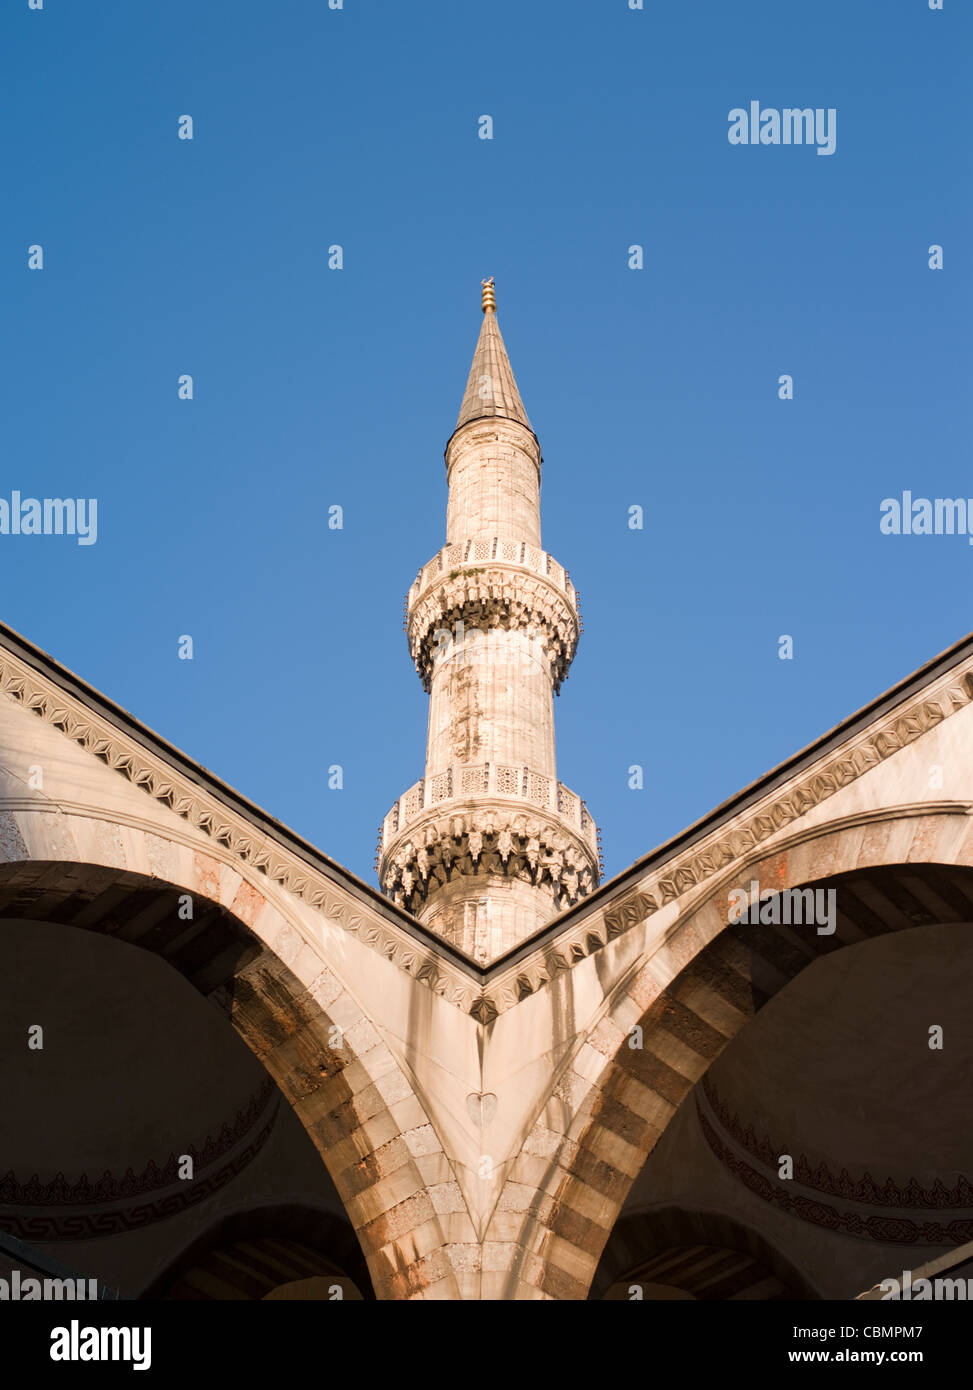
column 690, row 997
column 241, row 952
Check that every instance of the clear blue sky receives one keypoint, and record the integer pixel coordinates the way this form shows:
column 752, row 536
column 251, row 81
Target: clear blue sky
column 316, row 387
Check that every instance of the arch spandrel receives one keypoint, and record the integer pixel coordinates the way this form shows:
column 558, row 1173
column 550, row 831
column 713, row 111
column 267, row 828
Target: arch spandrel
column 249, row 959
column 525, row 1062
column 690, row 996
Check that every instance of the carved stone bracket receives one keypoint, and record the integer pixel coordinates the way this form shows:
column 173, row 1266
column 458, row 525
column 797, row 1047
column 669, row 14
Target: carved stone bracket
column 499, row 596
column 537, row 849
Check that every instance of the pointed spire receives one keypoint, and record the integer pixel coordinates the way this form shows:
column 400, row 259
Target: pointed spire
column 491, row 389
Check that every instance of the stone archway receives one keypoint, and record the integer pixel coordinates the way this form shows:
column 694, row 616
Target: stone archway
column 247, row 956
column 704, row 1255
column 262, row 1254
column 690, row 997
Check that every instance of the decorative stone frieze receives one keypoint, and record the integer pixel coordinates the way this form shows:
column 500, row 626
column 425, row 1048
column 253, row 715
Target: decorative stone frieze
column 690, row 868
column 233, row 836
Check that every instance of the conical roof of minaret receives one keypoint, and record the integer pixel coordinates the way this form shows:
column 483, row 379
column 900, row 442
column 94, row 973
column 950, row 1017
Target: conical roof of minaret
column 491, row 389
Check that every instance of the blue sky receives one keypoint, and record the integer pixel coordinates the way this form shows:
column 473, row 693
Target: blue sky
column 316, row 387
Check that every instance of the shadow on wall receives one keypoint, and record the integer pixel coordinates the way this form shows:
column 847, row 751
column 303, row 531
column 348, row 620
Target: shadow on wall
column 281, row 1253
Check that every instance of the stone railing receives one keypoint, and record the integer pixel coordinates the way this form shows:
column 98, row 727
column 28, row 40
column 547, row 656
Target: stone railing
column 461, row 783
column 483, row 550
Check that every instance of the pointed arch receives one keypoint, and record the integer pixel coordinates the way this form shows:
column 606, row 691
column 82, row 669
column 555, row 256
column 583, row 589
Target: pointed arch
column 326, row 1242
column 654, row 1245
column 251, row 959
column 691, row 995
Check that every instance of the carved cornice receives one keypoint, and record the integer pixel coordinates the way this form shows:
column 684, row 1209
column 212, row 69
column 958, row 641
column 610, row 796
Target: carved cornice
column 65, row 1209
column 771, row 816
column 499, row 597
column 938, row 1220
column 863, row 1189
column 502, row 988
column 700, row 864
column 233, row 837
column 61, row 1191
column 79, row 1223
column 492, row 841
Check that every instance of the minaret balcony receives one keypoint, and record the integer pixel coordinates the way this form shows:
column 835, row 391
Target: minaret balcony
column 481, row 549
column 483, row 819
column 474, row 786
column 485, row 583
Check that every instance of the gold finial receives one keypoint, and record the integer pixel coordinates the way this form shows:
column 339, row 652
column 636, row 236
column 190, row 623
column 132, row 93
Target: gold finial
column 489, row 298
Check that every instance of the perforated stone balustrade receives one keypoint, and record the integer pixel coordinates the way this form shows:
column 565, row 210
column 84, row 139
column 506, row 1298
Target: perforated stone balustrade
column 483, row 550
column 461, row 782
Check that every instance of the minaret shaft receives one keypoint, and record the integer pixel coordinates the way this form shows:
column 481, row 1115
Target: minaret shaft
column 494, row 484
column 489, row 846
column 491, row 700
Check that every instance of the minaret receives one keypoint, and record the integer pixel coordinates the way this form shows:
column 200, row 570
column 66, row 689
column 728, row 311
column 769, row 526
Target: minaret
column 489, row 845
